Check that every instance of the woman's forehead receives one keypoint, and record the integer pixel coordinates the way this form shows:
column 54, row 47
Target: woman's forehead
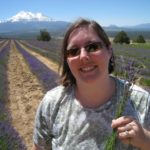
column 79, row 30
column 83, row 31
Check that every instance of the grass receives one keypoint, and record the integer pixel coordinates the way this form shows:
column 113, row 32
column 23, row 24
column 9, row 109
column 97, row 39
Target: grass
column 3, row 117
column 3, row 143
column 140, row 45
column 140, row 53
column 144, row 81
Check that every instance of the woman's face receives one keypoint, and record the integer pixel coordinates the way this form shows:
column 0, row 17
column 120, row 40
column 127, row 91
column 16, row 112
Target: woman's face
column 88, row 58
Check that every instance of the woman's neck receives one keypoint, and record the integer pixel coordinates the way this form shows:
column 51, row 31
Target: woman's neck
column 96, row 94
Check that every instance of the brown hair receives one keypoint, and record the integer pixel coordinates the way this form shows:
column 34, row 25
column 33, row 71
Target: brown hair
column 66, row 76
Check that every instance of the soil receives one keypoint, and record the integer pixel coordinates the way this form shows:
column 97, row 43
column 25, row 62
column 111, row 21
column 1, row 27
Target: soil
column 25, row 93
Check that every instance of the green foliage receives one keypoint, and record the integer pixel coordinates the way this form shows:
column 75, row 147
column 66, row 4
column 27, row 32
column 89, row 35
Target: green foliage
column 111, row 141
column 3, row 117
column 121, row 38
column 139, row 39
column 44, row 36
column 145, row 81
column 3, row 143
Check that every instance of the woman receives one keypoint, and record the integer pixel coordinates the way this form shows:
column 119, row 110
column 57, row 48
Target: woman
column 79, row 114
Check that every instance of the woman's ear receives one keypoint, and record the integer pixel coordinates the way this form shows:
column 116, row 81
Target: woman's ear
column 110, row 49
column 67, row 60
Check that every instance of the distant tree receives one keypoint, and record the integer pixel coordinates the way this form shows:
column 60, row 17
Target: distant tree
column 139, row 39
column 121, row 38
column 44, row 35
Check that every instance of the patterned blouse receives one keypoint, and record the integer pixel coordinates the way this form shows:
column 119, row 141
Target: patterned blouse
column 62, row 123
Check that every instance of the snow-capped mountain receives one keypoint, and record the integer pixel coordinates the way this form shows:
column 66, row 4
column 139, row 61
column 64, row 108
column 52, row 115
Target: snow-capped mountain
column 28, row 25
column 29, row 16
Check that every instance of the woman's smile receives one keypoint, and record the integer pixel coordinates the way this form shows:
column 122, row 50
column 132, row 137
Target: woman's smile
column 88, row 69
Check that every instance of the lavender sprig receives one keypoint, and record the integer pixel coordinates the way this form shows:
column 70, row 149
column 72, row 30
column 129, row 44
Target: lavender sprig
column 128, row 72
column 111, row 141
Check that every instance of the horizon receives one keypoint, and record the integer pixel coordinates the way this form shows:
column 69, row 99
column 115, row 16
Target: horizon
column 29, row 16
column 116, row 12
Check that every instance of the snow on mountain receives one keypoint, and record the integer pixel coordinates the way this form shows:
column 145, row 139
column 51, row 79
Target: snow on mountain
column 28, row 24
column 29, row 16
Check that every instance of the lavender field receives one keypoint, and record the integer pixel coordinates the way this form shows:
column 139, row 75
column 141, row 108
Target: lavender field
column 140, row 53
column 24, row 80
column 27, row 72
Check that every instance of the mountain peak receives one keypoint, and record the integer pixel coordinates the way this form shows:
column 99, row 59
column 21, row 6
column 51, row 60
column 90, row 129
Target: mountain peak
column 29, row 16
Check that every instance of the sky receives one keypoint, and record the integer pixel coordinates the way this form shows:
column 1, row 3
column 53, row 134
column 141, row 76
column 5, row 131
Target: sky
column 106, row 12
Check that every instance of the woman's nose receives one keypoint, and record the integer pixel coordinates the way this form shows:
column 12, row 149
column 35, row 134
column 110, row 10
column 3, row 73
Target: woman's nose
column 83, row 54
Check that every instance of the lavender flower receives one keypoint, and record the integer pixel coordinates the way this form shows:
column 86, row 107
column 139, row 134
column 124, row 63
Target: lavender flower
column 9, row 138
column 128, row 74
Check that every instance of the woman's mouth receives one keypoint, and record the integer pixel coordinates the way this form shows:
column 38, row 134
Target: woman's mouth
column 87, row 69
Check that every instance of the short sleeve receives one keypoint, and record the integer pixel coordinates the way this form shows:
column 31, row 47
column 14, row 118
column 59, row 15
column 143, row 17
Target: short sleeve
column 141, row 100
column 147, row 118
column 42, row 132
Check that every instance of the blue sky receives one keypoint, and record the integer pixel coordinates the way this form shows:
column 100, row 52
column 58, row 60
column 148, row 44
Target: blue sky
column 106, row 12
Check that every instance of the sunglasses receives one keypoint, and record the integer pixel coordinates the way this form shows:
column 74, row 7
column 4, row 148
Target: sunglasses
column 91, row 47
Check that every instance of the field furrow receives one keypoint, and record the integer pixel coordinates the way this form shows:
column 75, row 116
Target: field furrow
column 25, row 93
column 47, row 77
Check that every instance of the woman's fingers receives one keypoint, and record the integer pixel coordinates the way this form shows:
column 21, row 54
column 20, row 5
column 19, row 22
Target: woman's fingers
column 127, row 127
column 129, row 131
column 123, row 134
column 121, row 121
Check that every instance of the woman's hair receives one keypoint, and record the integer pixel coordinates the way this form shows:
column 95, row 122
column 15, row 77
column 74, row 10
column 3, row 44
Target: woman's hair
column 66, row 76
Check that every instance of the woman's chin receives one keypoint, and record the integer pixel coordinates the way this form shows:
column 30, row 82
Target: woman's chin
column 89, row 78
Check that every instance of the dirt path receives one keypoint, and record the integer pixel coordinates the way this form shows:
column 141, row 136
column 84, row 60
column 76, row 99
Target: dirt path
column 25, row 94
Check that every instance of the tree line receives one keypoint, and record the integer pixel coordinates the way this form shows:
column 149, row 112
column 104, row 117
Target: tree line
column 121, row 37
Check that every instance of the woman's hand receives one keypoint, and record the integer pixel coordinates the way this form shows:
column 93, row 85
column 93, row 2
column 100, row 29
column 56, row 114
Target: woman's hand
column 129, row 131
column 35, row 147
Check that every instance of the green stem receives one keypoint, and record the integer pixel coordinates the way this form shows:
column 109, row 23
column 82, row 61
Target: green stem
column 111, row 141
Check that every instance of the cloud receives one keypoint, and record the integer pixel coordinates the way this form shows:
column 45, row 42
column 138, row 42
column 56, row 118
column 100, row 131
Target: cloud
column 29, row 16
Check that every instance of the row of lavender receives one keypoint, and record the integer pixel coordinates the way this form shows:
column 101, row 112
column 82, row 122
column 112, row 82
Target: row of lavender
column 47, row 77
column 9, row 137
column 141, row 56
column 53, row 45
column 1, row 42
column 51, row 49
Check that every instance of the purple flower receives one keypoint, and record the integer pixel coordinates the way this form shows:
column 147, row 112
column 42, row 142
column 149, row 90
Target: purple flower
column 9, row 138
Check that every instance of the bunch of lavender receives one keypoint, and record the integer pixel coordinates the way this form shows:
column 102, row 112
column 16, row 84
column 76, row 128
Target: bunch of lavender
column 129, row 73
